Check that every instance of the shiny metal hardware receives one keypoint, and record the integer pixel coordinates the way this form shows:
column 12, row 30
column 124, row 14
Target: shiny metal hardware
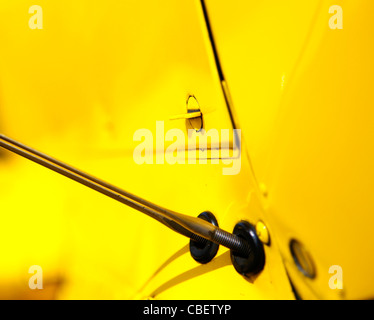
column 193, row 117
column 191, row 227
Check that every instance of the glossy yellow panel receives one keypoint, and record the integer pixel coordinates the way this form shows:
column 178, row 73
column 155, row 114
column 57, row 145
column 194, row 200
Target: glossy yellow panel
column 109, row 69
column 78, row 89
column 303, row 96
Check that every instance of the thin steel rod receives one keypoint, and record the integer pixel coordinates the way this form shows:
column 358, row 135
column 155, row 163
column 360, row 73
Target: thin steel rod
column 191, row 227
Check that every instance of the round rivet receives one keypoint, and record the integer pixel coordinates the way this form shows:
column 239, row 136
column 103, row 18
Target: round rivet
column 302, row 259
column 263, row 232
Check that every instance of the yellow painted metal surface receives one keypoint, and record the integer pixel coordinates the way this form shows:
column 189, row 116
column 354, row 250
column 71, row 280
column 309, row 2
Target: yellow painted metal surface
column 303, row 96
column 97, row 72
